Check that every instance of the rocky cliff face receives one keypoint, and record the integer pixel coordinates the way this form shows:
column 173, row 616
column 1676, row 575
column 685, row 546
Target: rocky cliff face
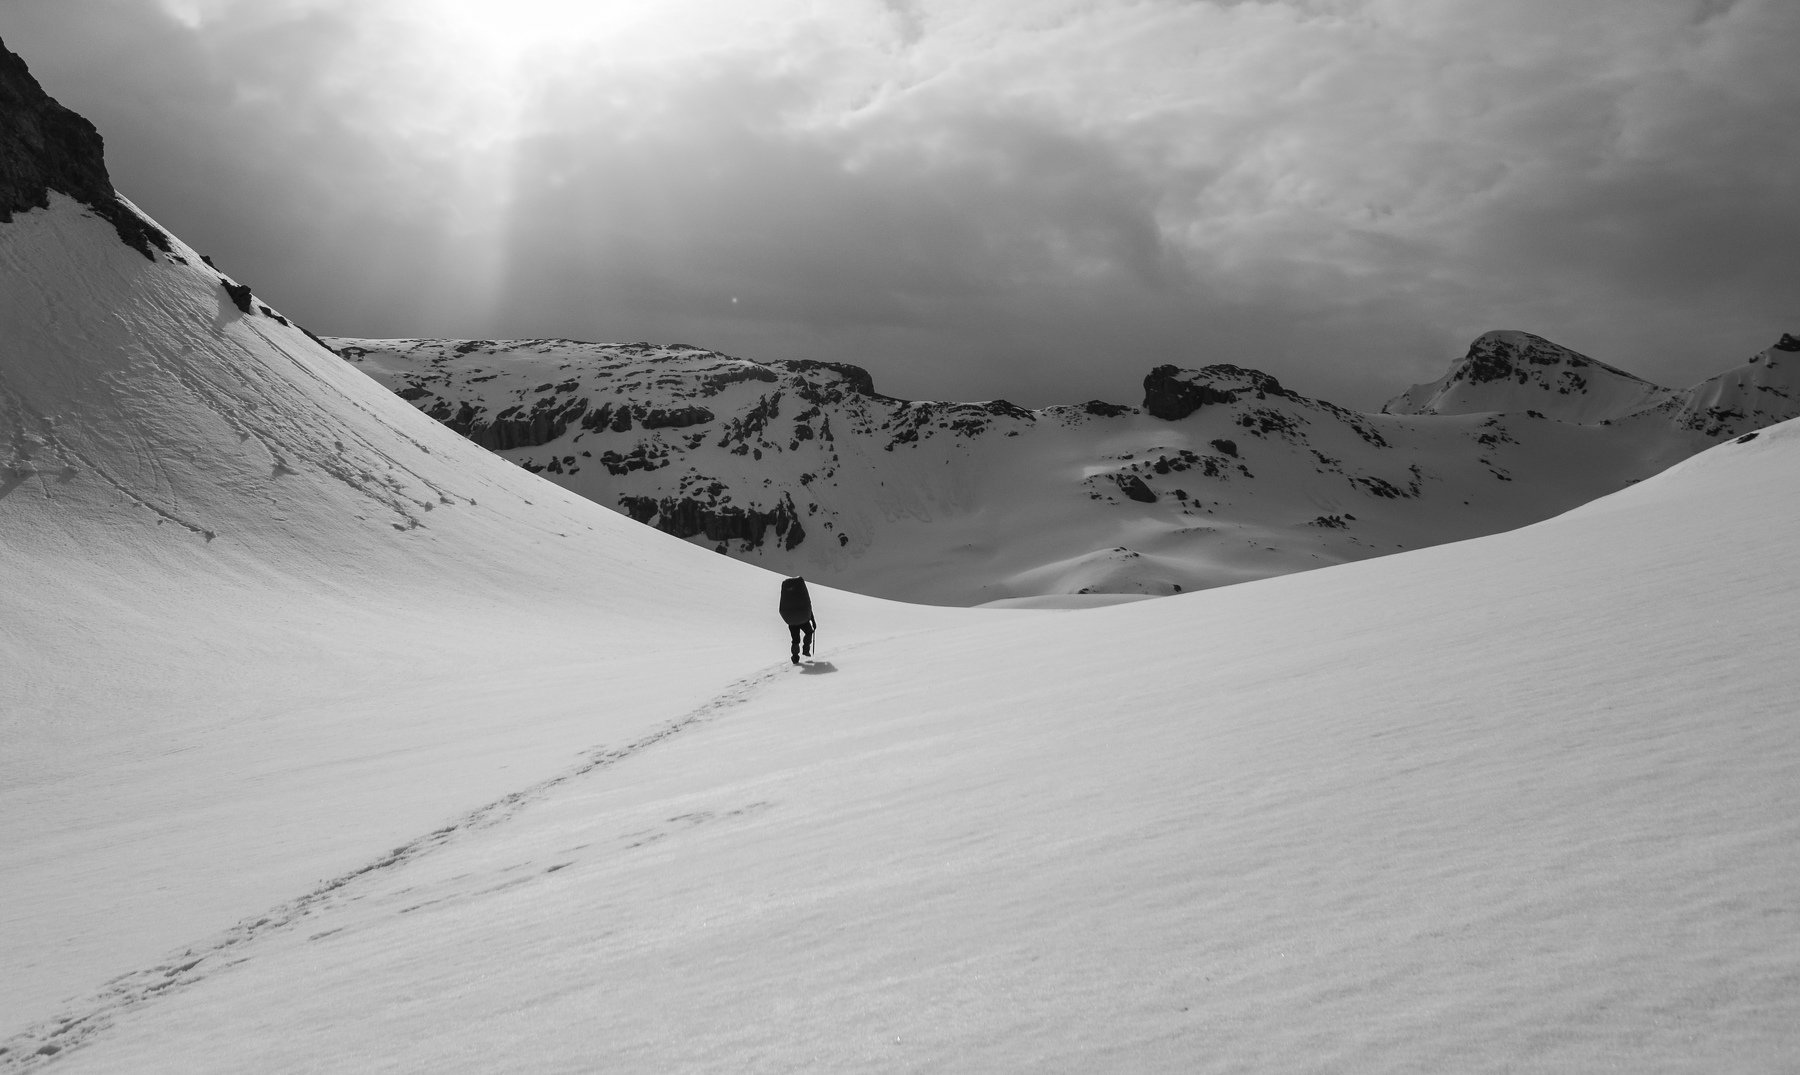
column 638, row 410
column 45, row 147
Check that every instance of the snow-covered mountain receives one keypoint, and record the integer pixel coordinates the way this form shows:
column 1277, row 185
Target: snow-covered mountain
column 1220, row 475
column 1761, row 392
column 330, row 741
column 1510, row 372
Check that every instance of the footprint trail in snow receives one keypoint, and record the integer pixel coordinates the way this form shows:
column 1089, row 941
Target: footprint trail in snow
column 88, row 1017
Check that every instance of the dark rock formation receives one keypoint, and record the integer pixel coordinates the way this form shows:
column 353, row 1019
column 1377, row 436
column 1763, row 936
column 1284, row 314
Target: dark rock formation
column 855, row 378
column 240, row 294
column 1101, row 409
column 46, row 147
column 515, row 427
column 1172, row 393
column 1133, row 486
column 1498, row 356
column 676, row 418
column 716, row 381
column 687, row 516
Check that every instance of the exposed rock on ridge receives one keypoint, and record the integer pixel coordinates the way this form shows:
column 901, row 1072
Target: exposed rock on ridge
column 45, row 147
column 1172, row 393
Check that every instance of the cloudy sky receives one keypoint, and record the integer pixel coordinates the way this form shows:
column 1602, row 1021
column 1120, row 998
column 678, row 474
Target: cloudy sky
column 1037, row 199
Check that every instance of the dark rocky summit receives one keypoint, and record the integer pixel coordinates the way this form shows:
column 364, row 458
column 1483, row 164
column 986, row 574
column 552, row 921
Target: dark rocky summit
column 1500, row 356
column 1172, row 393
column 46, row 147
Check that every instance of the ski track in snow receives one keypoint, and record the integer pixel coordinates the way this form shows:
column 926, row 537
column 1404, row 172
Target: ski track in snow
column 78, row 1025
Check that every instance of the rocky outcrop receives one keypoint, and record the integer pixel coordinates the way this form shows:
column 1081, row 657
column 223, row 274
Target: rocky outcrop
column 240, row 294
column 856, row 379
column 1172, row 393
column 675, row 417
column 45, row 147
column 1099, row 408
column 1133, row 486
column 515, row 427
column 690, row 516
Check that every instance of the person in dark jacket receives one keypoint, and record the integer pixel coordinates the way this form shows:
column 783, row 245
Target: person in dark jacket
column 796, row 610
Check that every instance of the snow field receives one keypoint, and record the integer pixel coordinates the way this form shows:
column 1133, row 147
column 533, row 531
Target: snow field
column 1523, row 803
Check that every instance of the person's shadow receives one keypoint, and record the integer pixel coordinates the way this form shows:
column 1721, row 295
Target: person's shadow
column 817, row 668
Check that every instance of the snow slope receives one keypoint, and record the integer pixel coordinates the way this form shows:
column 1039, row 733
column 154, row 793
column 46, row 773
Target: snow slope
column 1763, row 390
column 262, row 617
column 1223, row 475
column 1520, row 803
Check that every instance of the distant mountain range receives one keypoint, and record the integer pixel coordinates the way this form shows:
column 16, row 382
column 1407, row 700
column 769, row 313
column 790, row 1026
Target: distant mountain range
column 1218, row 475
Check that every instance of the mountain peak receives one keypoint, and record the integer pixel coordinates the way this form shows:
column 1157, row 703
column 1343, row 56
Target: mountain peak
column 45, row 147
column 1509, row 371
column 1172, row 393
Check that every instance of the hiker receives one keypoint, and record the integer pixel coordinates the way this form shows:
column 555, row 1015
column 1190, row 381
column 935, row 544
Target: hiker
column 796, row 610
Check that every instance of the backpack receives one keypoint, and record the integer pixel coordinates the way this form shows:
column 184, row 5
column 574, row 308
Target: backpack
column 796, row 604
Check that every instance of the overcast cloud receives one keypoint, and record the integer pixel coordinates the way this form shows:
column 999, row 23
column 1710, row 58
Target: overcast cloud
column 1038, row 200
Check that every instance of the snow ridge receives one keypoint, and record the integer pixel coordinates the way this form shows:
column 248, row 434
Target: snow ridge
column 1761, row 392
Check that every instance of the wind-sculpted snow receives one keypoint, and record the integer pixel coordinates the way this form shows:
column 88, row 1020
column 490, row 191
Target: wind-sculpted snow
column 806, row 468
